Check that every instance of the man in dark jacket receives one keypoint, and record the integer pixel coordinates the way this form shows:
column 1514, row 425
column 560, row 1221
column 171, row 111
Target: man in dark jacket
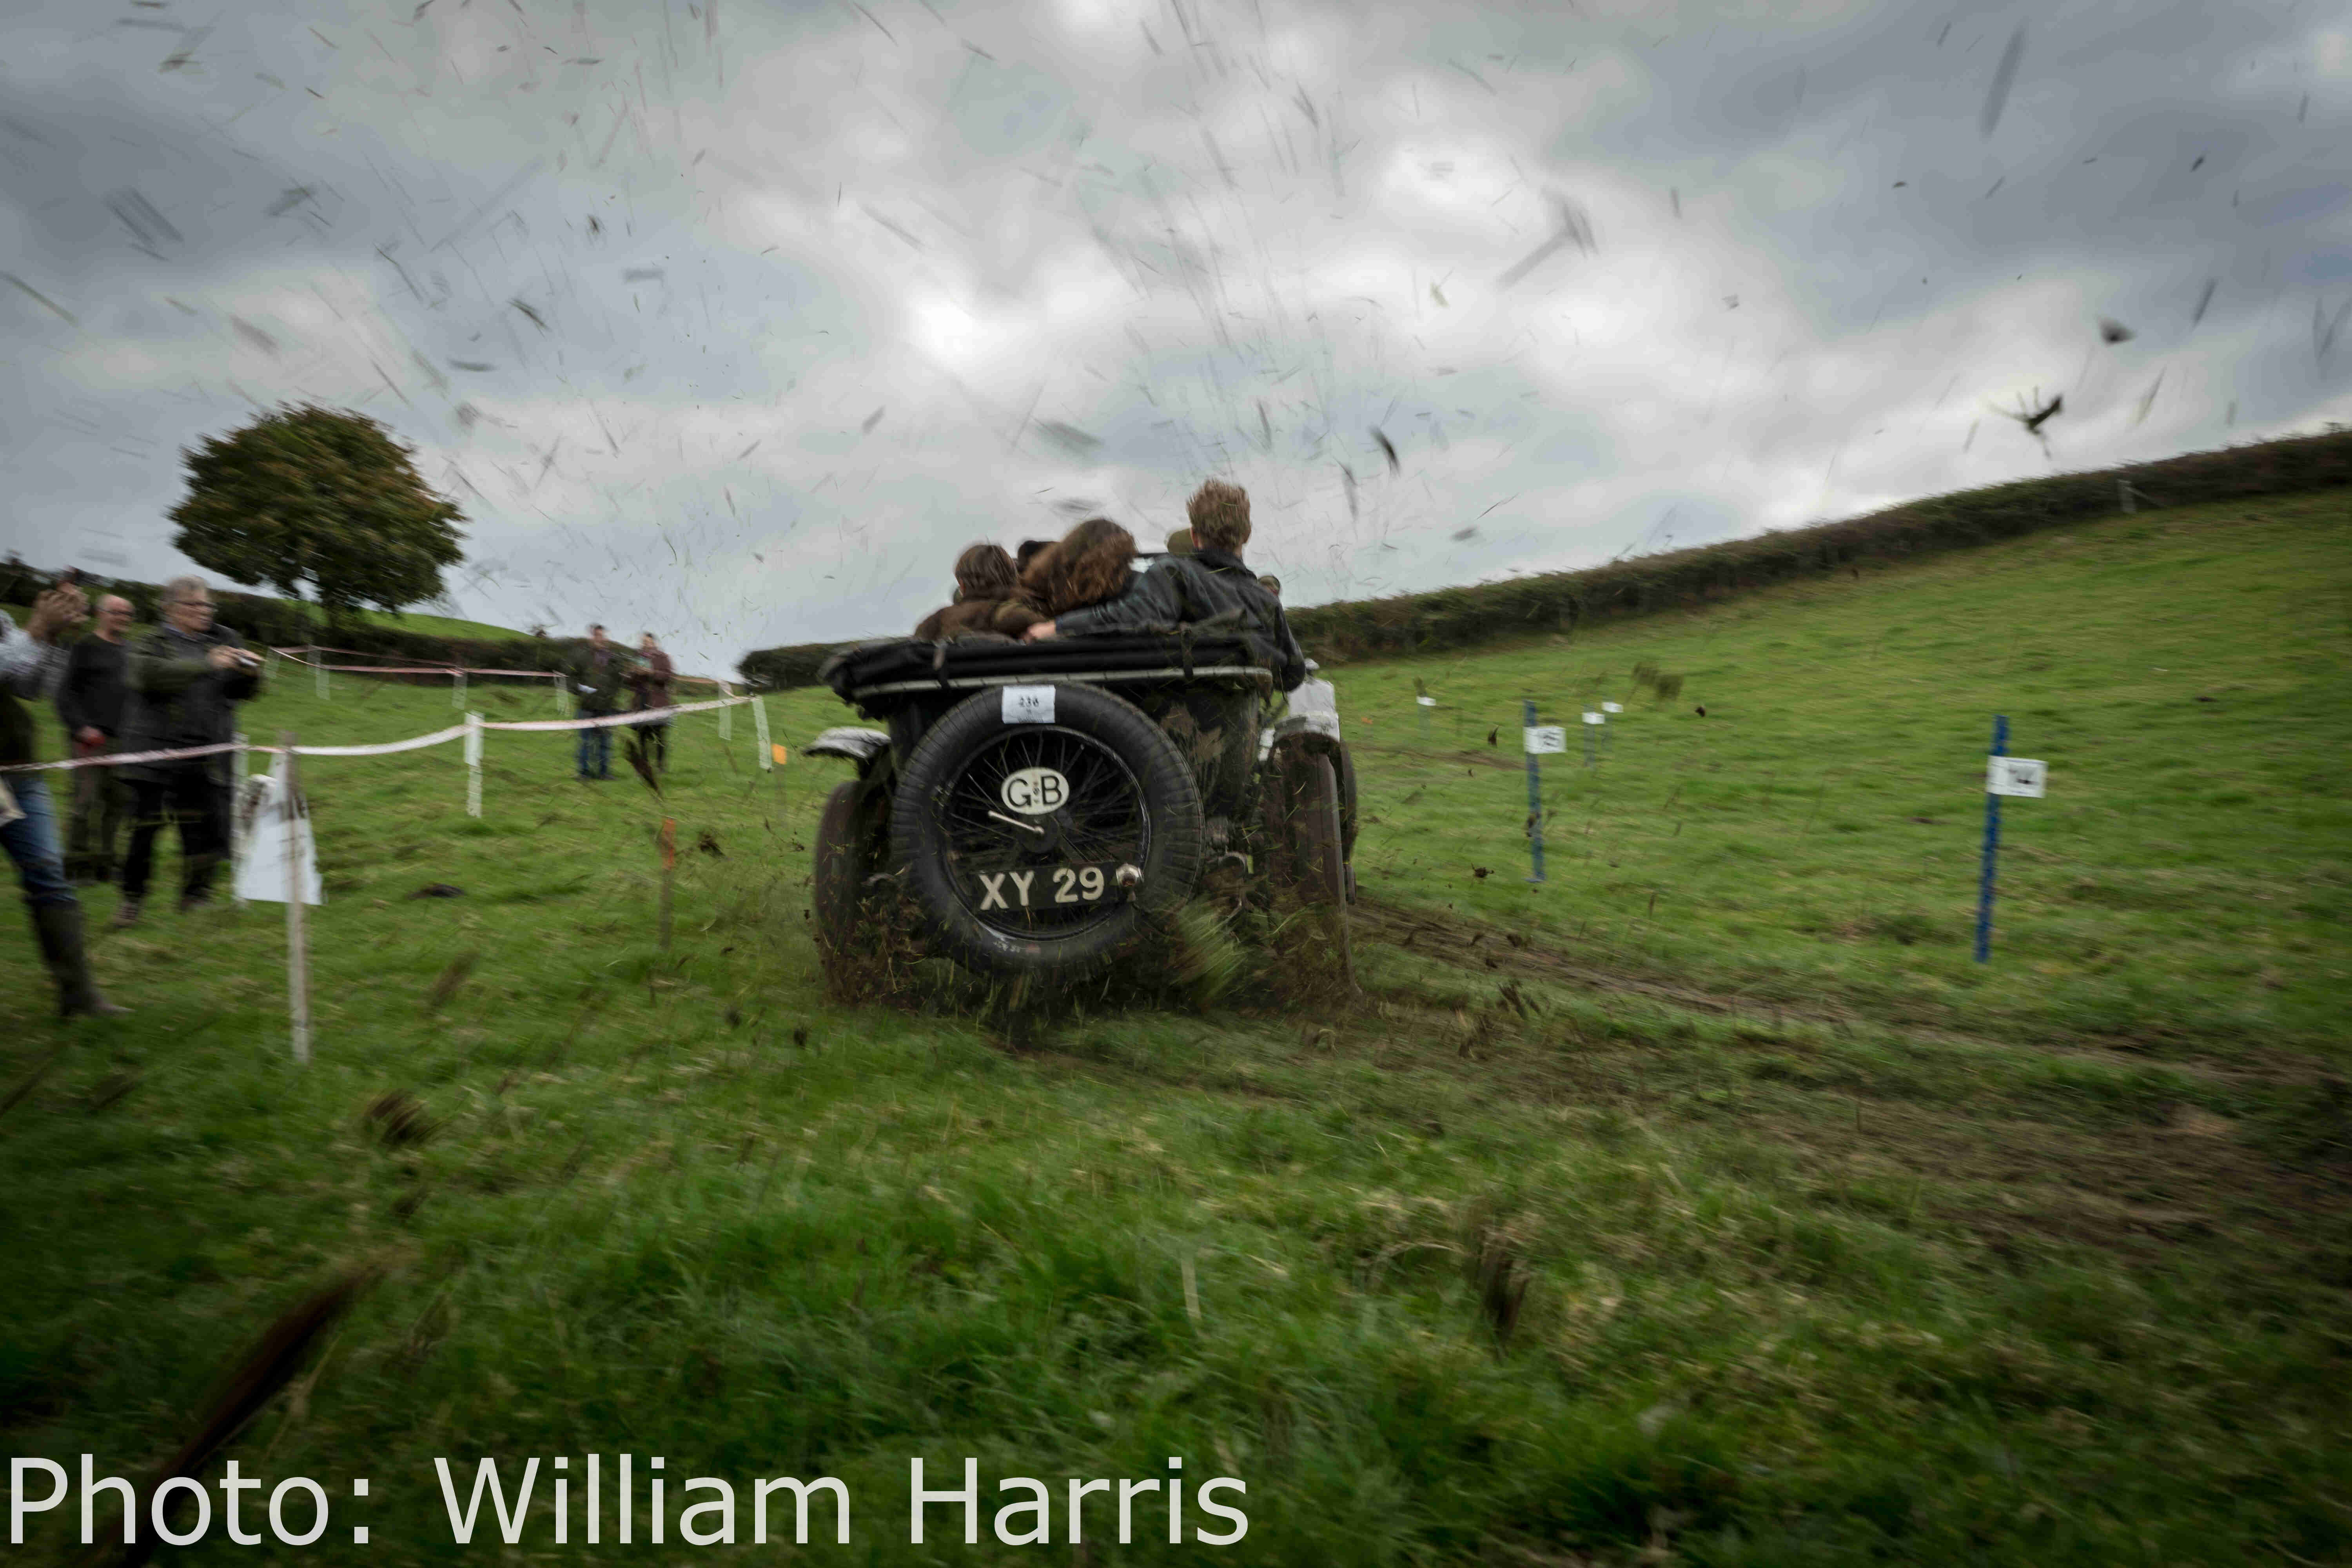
column 32, row 661
column 91, row 702
column 598, row 674
column 1207, row 585
column 651, row 680
column 186, row 678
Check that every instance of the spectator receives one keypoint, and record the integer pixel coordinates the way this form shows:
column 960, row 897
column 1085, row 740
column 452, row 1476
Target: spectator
column 1181, row 542
column 91, row 704
column 651, row 680
column 598, row 672
column 1210, row 584
column 186, row 678
column 32, row 662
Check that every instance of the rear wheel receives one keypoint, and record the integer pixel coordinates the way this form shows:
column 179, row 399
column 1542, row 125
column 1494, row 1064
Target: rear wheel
column 1305, row 838
column 1323, row 882
column 1045, row 849
column 843, row 912
column 1348, row 818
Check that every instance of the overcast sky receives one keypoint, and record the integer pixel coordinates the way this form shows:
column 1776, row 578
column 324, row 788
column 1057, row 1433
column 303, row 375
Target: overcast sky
column 736, row 321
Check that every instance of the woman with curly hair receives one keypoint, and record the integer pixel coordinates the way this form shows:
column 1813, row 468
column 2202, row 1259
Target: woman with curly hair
column 1091, row 563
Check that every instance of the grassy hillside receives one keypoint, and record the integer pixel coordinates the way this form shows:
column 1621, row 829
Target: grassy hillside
column 1838, row 1249
column 439, row 625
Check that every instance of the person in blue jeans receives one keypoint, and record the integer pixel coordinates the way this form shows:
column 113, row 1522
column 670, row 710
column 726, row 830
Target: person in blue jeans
column 32, row 662
column 598, row 672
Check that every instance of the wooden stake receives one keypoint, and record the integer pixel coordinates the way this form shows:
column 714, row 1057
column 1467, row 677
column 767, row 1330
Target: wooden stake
column 297, row 957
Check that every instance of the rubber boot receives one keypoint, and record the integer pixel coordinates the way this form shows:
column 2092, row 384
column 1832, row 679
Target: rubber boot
column 196, row 886
column 59, row 929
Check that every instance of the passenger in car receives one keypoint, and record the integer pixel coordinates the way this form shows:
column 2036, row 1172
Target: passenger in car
column 1092, row 563
column 984, row 584
column 1210, row 585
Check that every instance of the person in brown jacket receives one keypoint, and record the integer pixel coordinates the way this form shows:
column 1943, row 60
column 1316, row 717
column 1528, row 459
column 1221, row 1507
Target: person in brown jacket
column 650, row 681
column 984, row 599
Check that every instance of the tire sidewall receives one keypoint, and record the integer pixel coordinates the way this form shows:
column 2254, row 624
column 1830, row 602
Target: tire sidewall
column 1171, row 865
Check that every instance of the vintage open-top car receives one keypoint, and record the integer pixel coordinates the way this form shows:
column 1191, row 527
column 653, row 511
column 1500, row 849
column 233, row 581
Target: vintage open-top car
column 1041, row 809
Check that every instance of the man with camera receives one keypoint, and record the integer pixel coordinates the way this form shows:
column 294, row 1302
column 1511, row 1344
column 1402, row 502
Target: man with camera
column 32, row 661
column 186, row 678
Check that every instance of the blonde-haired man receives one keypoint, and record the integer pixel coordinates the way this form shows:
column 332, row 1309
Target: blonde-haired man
column 1209, row 583
column 186, row 678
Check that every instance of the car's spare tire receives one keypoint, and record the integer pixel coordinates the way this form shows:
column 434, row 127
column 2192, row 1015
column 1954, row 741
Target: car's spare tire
column 1047, row 847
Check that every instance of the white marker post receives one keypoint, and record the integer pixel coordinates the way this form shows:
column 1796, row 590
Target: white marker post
column 297, row 957
column 473, row 764
column 2004, row 774
column 236, row 818
column 759, row 723
column 726, row 715
column 458, row 691
column 1592, row 721
column 1540, row 740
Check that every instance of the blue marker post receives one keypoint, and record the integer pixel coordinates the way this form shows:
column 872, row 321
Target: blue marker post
column 1991, row 847
column 1535, row 790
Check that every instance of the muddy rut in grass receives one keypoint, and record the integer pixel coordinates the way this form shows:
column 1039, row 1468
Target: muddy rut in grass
column 2249, row 1155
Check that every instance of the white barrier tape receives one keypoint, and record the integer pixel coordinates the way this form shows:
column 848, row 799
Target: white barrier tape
column 439, row 737
column 386, row 748
column 117, row 760
column 644, row 716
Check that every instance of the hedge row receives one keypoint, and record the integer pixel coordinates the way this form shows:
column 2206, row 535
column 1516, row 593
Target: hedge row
column 1560, row 601
column 779, row 668
column 281, row 623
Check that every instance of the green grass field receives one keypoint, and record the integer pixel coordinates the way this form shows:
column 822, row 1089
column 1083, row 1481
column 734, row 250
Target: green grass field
column 1838, row 1247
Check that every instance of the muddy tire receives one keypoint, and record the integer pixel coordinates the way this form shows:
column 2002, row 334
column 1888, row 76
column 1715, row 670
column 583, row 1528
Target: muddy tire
column 841, row 908
column 1323, row 880
column 1348, row 817
column 1302, row 833
column 1010, row 882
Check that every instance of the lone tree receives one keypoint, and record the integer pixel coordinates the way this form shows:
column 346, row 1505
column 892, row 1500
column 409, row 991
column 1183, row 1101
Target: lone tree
column 320, row 496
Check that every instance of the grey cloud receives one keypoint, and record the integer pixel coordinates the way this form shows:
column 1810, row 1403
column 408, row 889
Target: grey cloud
column 1012, row 225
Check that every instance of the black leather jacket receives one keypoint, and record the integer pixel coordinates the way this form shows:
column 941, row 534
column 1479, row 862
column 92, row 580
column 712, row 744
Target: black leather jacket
column 1193, row 592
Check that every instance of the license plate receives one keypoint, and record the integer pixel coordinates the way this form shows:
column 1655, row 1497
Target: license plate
column 1047, row 888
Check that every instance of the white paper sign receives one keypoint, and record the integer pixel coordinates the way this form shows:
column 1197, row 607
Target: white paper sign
column 2016, row 775
column 261, row 874
column 1544, row 738
column 1613, row 708
column 1426, row 701
column 1596, row 717
column 1027, row 705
